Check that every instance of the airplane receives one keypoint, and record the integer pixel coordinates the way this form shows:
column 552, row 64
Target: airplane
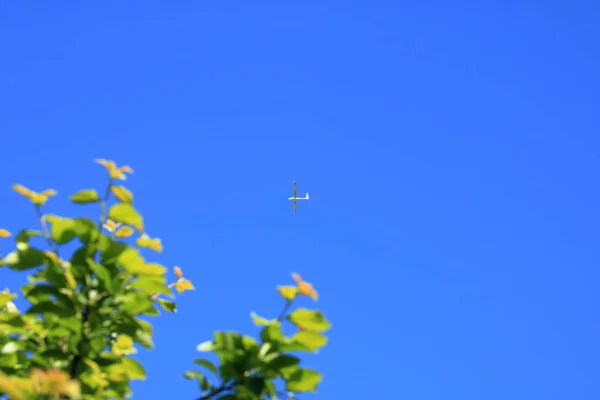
column 295, row 198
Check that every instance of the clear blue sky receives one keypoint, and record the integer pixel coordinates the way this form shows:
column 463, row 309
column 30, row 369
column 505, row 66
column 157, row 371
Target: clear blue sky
column 450, row 149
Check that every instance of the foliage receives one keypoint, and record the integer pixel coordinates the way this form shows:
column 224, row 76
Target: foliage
column 87, row 312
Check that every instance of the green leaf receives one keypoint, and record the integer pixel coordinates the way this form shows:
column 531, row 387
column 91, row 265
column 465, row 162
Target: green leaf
column 135, row 303
column 282, row 362
column 256, row 385
column 123, row 345
column 168, row 306
column 5, row 298
column 207, row 364
column 41, row 293
column 85, row 196
column 193, row 375
column 26, row 234
column 272, row 333
column 86, row 230
column 62, row 230
column 260, row 321
column 126, row 214
column 207, row 346
column 303, row 380
column 311, row 320
column 152, row 285
column 24, row 259
column 103, row 275
column 132, row 262
column 128, row 368
column 49, row 307
column 198, row 376
column 312, row 340
column 10, row 348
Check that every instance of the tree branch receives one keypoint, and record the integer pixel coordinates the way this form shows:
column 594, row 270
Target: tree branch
column 85, row 314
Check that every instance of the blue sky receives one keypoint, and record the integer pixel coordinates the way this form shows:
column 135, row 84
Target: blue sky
column 450, row 149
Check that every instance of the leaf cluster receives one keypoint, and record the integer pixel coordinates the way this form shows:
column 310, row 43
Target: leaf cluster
column 88, row 312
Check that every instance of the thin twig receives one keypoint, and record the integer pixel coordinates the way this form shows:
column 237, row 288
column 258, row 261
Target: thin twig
column 46, row 231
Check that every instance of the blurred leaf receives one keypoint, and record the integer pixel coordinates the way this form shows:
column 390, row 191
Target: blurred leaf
column 288, row 292
column 6, row 297
column 272, row 333
column 303, row 380
column 62, row 230
column 207, row 364
column 260, row 321
column 132, row 262
column 168, row 306
column 278, row 364
column 311, row 320
column 49, row 307
column 26, row 234
column 183, row 284
column 21, row 260
column 123, row 345
column 122, row 194
column 152, row 285
column 127, row 369
column 10, row 348
column 85, row 196
column 124, row 232
column 312, row 340
column 126, row 214
column 135, row 303
column 146, row 242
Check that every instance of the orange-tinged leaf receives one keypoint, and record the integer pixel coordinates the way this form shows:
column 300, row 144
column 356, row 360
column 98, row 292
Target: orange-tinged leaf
column 124, row 232
column 183, row 284
column 4, row 233
column 305, row 288
column 178, row 272
column 55, row 383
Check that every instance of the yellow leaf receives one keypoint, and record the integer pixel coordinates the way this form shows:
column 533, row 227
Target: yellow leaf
column 124, row 232
column 36, row 198
column 178, row 272
column 113, row 171
column 111, row 225
column 48, row 192
column 4, row 233
column 11, row 387
column 146, row 242
column 288, row 292
column 108, row 164
column 123, row 345
column 23, row 191
column 183, row 284
column 122, row 194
